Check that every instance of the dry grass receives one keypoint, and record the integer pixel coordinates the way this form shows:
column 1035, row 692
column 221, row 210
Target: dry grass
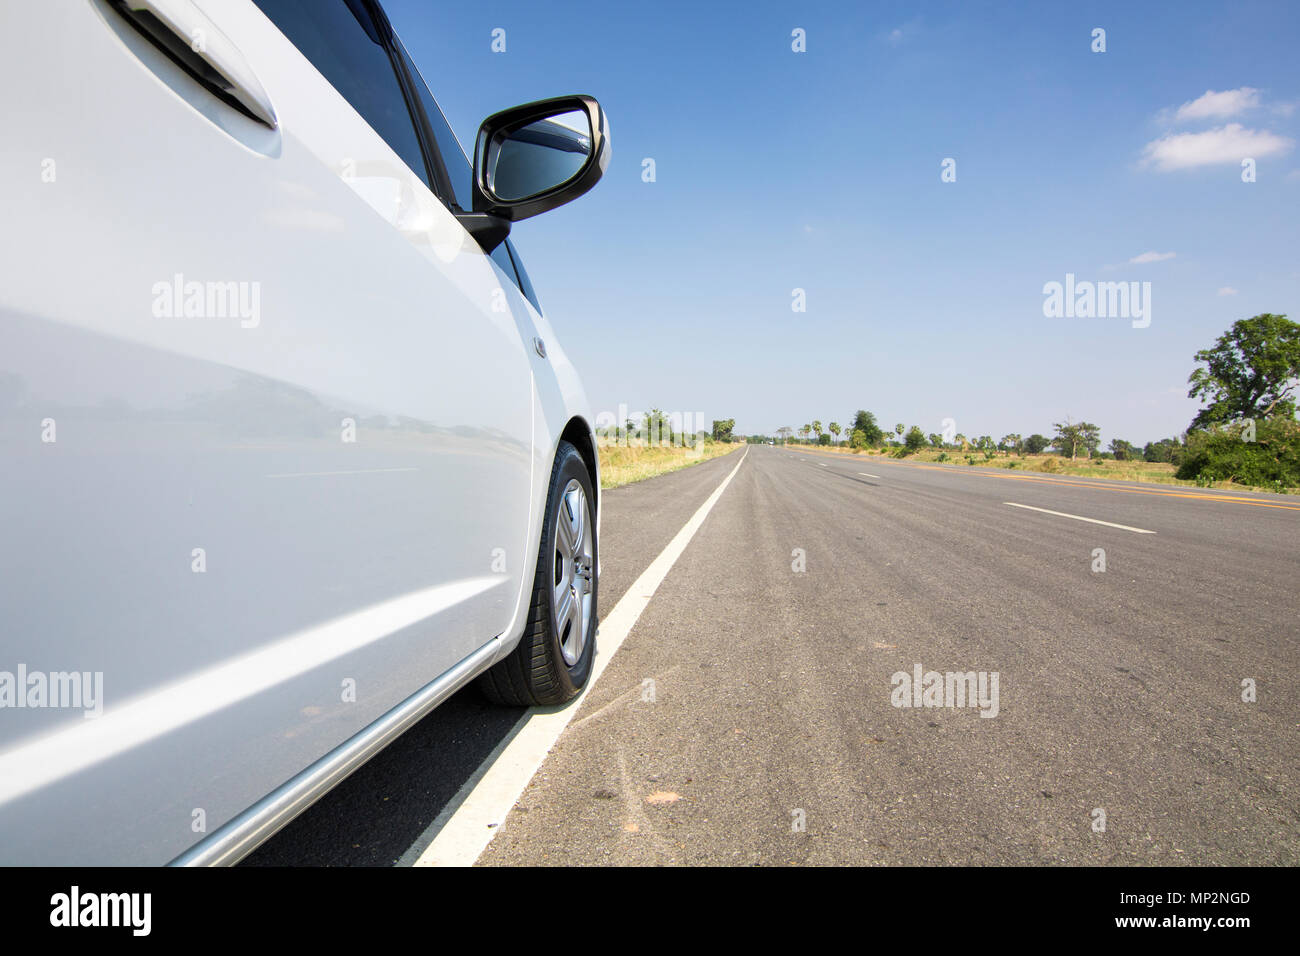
column 1151, row 472
column 624, row 464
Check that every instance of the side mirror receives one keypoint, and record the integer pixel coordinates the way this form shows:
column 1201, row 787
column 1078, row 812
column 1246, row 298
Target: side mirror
column 535, row 157
column 532, row 158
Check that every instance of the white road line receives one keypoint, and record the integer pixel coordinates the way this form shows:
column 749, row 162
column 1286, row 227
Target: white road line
column 476, row 813
column 317, row 474
column 865, row 475
column 822, row 463
column 1062, row 514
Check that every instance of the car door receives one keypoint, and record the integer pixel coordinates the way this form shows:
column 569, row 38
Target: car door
column 291, row 415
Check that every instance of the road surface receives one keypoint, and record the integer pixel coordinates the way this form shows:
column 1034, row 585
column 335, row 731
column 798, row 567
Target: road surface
column 753, row 713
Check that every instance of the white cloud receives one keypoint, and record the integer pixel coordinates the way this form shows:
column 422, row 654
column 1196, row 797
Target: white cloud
column 1218, row 105
column 904, row 32
column 1226, row 144
column 1151, row 257
column 1227, row 290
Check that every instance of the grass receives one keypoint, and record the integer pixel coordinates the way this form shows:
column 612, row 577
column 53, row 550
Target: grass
column 1151, row 472
column 624, row 464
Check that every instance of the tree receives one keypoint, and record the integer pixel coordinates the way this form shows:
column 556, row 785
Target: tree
column 936, row 440
column 657, row 426
column 817, row 430
column 985, row 443
column 1251, row 372
column 898, row 429
column 784, row 431
column 1122, row 450
column 1165, row 450
column 1074, row 437
column 865, row 422
column 915, row 440
column 804, row 431
column 858, row 440
column 1012, row 443
column 835, row 430
column 1035, row 444
column 960, row 440
column 722, row 429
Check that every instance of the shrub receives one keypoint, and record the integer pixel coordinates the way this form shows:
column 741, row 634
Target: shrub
column 1220, row 454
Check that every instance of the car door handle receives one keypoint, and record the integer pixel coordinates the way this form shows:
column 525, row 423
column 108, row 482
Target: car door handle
column 186, row 34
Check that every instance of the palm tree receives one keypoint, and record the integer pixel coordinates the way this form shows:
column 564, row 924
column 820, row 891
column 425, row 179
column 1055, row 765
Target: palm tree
column 835, row 430
column 817, row 430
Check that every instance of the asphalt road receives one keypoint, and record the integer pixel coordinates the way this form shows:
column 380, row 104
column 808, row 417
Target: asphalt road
column 382, row 812
column 772, row 734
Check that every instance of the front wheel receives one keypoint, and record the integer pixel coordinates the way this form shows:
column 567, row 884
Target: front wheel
column 555, row 654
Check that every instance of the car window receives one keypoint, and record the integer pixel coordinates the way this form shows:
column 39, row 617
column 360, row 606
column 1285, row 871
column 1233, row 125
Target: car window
column 525, row 284
column 501, row 257
column 343, row 43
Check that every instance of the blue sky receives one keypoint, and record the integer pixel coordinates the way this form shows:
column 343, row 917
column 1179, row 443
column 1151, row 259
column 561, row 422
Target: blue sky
column 820, row 170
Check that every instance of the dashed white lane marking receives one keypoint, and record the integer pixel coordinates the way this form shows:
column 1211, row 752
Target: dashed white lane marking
column 866, row 475
column 475, row 814
column 1062, row 514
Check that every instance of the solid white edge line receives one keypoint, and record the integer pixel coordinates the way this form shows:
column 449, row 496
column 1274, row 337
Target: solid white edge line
column 1062, row 514
column 480, row 812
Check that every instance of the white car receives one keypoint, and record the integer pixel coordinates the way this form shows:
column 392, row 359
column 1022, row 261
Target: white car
column 290, row 450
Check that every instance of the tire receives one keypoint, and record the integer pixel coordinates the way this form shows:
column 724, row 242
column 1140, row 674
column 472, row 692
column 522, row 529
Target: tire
column 554, row 657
